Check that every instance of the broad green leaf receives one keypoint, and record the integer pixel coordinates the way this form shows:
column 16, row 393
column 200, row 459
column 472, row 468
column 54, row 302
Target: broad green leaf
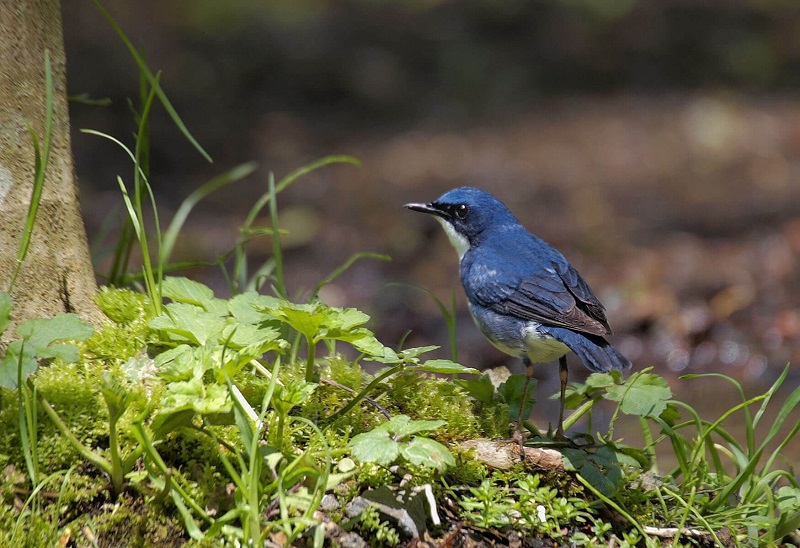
column 169, row 421
column 632, row 456
column 251, row 307
column 308, row 319
column 65, row 352
column 481, row 388
column 446, row 367
column 402, row 426
column 11, row 362
column 375, row 446
column 364, row 341
column 511, row 391
column 671, row 415
column 195, row 395
column 384, row 354
column 410, row 354
column 292, row 394
column 643, row 395
column 37, row 341
column 253, row 340
column 186, row 322
column 41, row 332
column 347, row 319
column 427, row 452
column 600, row 380
column 179, row 364
column 600, row 468
column 184, row 290
column 788, row 498
column 217, row 306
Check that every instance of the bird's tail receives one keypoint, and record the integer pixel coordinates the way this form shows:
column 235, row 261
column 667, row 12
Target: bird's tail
column 595, row 352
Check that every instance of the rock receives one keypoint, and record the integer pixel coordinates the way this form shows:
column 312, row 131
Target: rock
column 403, row 509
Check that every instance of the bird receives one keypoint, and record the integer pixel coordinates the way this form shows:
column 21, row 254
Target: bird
column 523, row 294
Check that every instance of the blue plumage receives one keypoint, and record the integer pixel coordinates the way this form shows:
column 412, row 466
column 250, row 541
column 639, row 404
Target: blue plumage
column 524, row 295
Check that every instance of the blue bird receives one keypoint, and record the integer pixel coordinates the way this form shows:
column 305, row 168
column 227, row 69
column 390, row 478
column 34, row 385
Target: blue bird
column 523, row 294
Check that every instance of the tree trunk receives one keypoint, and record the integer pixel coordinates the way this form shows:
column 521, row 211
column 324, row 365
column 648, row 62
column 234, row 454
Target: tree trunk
column 57, row 275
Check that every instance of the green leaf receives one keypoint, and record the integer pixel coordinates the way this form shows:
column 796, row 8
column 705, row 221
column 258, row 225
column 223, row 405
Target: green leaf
column 643, row 395
column 170, row 421
column 38, row 337
column 600, row 381
column 184, row 290
column 402, row 426
column 65, row 352
column 788, row 498
column 42, row 332
column 179, row 363
column 202, row 398
column 410, row 354
column 308, row 319
column 186, row 322
column 11, row 363
column 600, row 469
column 427, row 452
column 511, row 391
column 481, row 388
column 253, row 340
column 292, row 394
column 671, row 415
column 375, row 446
column 348, row 319
column 362, row 340
column 446, row 367
column 251, row 307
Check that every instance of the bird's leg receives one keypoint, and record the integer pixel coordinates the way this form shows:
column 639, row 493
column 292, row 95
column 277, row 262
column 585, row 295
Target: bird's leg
column 563, row 375
column 518, row 430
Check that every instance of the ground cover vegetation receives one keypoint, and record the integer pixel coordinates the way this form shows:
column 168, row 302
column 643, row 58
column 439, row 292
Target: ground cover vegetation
column 189, row 419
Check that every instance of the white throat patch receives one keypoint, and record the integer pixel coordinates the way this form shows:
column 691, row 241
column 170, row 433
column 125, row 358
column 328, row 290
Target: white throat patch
column 459, row 241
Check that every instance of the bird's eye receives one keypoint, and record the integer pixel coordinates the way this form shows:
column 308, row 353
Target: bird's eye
column 461, row 211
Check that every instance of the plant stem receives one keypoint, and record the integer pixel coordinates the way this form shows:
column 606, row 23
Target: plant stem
column 86, row 453
column 312, row 356
column 117, row 471
column 364, row 392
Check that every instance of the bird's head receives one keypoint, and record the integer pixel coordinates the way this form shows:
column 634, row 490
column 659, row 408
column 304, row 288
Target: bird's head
column 466, row 213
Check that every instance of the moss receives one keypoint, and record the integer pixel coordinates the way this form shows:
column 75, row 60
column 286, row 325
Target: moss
column 131, row 522
column 119, row 341
column 123, row 306
column 433, row 398
column 468, row 470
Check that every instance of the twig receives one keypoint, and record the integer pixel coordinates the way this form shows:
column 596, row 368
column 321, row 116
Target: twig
column 369, row 400
column 672, row 532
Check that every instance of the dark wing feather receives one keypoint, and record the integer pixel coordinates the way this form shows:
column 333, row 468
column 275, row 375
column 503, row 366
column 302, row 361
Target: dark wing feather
column 553, row 295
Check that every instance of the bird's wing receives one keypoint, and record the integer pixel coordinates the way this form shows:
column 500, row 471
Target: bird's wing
column 553, row 294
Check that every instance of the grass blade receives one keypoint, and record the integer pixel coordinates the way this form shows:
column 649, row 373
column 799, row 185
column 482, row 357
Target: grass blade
column 236, row 174
column 41, row 158
column 145, row 70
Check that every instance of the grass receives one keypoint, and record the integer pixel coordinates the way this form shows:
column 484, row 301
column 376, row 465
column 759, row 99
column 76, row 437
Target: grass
column 196, row 420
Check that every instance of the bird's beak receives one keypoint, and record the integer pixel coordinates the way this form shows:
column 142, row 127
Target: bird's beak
column 426, row 208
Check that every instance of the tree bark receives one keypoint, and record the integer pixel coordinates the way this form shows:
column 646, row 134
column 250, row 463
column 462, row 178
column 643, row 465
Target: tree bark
column 57, row 275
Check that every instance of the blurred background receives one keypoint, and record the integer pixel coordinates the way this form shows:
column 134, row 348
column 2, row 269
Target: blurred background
column 655, row 143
